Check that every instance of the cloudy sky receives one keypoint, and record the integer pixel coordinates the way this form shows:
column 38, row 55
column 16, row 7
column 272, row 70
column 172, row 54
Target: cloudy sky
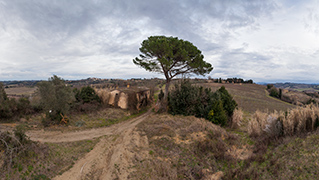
column 267, row 41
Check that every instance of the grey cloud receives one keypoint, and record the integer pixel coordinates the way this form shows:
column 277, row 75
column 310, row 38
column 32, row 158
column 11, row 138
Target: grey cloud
column 79, row 38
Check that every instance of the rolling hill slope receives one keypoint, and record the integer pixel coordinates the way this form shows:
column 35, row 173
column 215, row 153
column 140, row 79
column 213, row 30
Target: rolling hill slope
column 251, row 97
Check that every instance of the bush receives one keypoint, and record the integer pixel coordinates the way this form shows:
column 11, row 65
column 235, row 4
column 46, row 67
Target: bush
column 183, row 100
column 24, row 106
column 86, row 95
column 227, row 100
column 274, row 92
column 87, row 99
column 217, row 114
column 187, row 100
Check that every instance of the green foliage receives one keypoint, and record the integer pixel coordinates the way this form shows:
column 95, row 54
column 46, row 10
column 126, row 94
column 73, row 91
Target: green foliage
column 269, row 86
column 10, row 108
column 274, row 92
column 24, row 106
column 56, row 98
column 171, row 56
column 187, row 100
column 86, row 95
column 86, row 99
column 217, row 114
column 183, row 99
column 228, row 103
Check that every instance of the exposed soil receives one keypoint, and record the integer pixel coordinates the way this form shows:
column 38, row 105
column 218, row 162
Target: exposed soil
column 110, row 158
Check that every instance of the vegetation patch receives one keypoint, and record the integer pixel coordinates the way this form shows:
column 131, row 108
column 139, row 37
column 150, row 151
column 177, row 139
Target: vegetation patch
column 183, row 148
column 21, row 158
column 216, row 107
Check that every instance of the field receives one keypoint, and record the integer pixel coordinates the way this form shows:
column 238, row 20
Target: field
column 251, row 97
column 20, row 91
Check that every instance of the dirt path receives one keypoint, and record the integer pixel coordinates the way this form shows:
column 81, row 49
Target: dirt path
column 58, row 136
column 111, row 158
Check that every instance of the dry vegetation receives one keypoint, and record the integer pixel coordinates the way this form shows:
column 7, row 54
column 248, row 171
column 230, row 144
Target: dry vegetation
column 295, row 121
column 79, row 121
column 185, row 148
column 25, row 159
column 27, row 91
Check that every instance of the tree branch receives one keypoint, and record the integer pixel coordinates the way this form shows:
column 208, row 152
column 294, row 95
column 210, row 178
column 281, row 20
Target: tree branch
column 181, row 72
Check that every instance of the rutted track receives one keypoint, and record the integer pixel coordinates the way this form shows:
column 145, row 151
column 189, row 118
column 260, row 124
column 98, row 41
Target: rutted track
column 110, row 158
column 58, row 136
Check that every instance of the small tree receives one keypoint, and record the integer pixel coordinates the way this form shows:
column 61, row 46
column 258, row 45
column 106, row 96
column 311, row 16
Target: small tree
column 56, row 98
column 171, row 56
column 228, row 102
column 217, row 114
column 86, row 95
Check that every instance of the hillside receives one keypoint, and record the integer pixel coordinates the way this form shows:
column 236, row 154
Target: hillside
column 251, row 97
column 298, row 87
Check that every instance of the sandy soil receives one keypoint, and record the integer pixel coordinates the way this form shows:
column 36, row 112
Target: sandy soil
column 111, row 158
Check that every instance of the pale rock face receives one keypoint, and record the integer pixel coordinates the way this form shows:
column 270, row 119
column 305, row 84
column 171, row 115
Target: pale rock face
column 120, row 99
column 113, row 94
column 123, row 100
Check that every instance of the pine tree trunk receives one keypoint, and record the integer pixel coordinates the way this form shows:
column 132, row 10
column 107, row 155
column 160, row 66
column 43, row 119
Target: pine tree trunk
column 164, row 103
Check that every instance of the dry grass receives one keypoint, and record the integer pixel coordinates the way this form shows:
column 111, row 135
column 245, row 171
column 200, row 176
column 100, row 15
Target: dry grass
column 237, row 118
column 20, row 90
column 295, row 121
column 183, row 147
column 32, row 160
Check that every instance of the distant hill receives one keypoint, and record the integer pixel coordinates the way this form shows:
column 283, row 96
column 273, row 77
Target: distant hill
column 298, row 87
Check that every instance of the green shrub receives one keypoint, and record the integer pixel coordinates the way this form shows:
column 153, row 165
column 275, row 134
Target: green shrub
column 186, row 99
column 217, row 114
column 229, row 104
column 274, row 92
column 86, row 99
column 183, row 99
column 86, row 95
column 24, row 106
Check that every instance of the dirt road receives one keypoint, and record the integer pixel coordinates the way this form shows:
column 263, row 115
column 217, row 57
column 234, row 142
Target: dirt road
column 111, row 158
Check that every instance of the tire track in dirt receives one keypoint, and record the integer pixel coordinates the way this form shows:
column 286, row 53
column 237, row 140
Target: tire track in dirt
column 110, row 158
column 58, row 136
